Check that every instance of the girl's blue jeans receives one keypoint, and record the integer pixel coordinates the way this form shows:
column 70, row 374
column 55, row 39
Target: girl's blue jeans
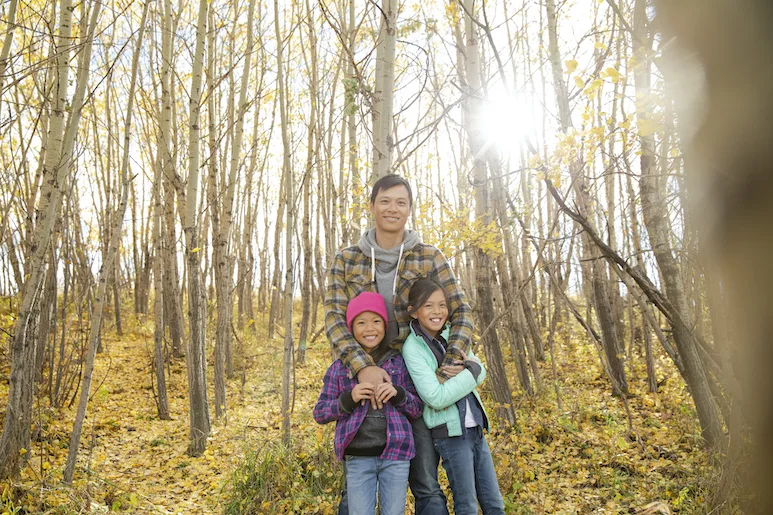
column 368, row 475
column 470, row 470
column 422, row 478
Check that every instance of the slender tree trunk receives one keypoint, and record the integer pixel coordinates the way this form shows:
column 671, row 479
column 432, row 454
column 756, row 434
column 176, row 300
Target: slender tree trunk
column 171, row 287
column 311, row 160
column 158, row 299
column 384, row 91
column 5, row 52
column 223, row 284
column 483, row 275
column 352, row 230
column 511, row 293
column 515, row 333
column 289, row 229
column 276, row 286
column 196, row 352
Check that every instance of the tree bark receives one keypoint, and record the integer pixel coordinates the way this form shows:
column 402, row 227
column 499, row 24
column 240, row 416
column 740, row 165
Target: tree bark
column 483, row 276
column 219, row 239
column 196, row 352
column 311, row 160
column 289, row 229
column 384, row 90
column 171, row 287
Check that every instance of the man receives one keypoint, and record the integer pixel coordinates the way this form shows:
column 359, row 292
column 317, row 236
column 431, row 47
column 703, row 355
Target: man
column 388, row 259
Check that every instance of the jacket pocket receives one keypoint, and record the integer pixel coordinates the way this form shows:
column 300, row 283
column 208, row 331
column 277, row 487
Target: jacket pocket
column 407, row 278
column 356, row 284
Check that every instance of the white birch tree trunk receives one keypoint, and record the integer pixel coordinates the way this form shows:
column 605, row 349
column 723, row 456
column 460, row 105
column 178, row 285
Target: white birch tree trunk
column 219, row 259
column 384, row 92
column 196, row 356
column 166, row 162
column 289, row 230
column 5, row 52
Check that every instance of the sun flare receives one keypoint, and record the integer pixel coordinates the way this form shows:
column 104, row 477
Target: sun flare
column 507, row 120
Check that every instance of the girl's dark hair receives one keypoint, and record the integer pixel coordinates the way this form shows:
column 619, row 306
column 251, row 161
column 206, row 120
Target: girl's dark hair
column 390, row 181
column 420, row 292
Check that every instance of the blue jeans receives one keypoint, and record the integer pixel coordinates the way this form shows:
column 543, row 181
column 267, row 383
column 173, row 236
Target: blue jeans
column 422, row 478
column 366, row 475
column 430, row 499
column 343, row 506
column 471, row 484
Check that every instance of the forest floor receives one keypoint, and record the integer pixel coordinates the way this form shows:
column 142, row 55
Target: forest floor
column 581, row 459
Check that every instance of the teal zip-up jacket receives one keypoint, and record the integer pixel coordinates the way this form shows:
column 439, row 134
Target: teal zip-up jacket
column 439, row 398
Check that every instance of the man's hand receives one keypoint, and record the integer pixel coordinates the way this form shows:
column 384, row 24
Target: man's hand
column 452, row 370
column 362, row 391
column 384, row 392
column 375, row 376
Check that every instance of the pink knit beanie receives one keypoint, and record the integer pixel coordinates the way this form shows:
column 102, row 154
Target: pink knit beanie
column 366, row 301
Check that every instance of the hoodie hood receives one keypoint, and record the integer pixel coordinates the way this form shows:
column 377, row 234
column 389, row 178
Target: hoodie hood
column 386, row 260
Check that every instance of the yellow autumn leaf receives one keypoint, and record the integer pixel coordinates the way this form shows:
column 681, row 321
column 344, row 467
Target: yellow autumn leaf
column 580, row 83
column 648, row 127
column 571, row 65
column 195, row 250
column 613, row 74
column 593, row 87
column 600, row 45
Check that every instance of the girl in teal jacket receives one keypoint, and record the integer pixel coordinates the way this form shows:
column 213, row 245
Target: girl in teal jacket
column 453, row 410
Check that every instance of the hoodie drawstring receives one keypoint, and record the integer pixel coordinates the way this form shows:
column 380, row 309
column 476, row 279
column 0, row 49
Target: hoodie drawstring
column 373, row 264
column 397, row 269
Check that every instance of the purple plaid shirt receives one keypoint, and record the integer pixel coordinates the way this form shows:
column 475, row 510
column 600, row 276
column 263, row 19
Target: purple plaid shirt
column 399, row 441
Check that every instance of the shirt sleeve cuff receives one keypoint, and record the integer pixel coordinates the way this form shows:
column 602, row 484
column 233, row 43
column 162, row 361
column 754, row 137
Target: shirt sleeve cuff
column 473, row 367
column 347, row 402
column 400, row 397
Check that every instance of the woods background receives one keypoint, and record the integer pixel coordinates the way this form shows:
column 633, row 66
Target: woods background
column 187, row 172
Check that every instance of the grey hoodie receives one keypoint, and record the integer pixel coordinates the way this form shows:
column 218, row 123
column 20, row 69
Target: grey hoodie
column 385, row 264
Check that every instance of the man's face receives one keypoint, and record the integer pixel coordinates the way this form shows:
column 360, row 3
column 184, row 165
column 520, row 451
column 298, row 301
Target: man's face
column 391, row 208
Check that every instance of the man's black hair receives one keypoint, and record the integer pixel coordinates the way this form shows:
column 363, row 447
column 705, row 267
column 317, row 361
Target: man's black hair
column 390, row 181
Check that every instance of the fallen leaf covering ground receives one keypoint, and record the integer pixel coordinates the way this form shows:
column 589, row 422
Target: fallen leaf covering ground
column 579, row 460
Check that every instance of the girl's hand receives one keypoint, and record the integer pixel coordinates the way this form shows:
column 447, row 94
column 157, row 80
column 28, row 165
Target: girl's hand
column 384, row 392
column 363, row 391
column 463, row 354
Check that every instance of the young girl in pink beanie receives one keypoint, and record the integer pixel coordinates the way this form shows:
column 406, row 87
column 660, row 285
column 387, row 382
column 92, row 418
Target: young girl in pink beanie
column 377, row 444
